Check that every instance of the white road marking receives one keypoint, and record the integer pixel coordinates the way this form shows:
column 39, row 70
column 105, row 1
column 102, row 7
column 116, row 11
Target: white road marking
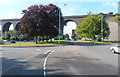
column 45, row 61
column 47, row 52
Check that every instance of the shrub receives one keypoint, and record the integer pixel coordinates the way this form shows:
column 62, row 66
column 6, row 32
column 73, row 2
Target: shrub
column 1, row 41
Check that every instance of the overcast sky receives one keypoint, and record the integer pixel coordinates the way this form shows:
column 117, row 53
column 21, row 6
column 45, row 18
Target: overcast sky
column 13, row 8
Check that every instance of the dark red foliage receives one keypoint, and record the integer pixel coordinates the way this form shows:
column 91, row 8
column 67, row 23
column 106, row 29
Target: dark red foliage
column 40, row 20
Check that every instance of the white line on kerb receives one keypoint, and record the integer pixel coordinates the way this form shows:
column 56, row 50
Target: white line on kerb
column 45, row 61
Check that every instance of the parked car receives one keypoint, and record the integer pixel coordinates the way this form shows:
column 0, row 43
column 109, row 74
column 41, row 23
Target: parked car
column 115, row 49
column 89, row 39
column 12, row 41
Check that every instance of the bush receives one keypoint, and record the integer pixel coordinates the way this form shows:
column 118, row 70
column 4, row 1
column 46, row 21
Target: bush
column 1, row 41
column 73, row 36
column 67, row 36
column 12, row 38
column 13, row 35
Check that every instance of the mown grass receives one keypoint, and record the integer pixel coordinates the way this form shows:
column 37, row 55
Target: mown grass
column 104, row 42
column 112, row 40
column 55, row 42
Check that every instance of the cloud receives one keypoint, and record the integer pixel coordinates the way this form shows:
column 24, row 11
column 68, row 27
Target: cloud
column 111, row 4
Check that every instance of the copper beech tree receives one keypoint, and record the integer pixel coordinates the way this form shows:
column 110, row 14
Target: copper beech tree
column 41, row 20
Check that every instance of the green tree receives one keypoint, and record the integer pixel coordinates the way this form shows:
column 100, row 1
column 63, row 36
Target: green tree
column 73, row 36
column 20, row 37
column 91, row 26
column 13, row 35
column 67, row 36
column 89, row 13
column 12, row 38
column 1, row 40
column 6, row 35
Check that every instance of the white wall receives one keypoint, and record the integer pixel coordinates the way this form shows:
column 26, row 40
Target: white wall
column 113, row 30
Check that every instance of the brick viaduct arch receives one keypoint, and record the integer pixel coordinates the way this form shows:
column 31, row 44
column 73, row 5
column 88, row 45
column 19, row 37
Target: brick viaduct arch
column 5, row 23
column 76, row 19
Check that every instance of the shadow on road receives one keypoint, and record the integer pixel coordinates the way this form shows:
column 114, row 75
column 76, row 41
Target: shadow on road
column 9, row 69
column 81, row 65
column 113, row 41
column 22, row 70
column 86, row 44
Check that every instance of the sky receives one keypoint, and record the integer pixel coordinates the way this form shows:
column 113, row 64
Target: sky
column 14, row 9
column 10, row 9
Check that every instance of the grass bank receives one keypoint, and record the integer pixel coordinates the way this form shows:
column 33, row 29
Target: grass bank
column 104, row 42
column 55, row 42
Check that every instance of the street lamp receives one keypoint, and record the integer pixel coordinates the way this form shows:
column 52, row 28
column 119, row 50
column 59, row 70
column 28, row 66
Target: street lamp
column 102, row 27
column 60, row 23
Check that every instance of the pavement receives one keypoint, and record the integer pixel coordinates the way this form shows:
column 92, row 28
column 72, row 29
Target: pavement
column 78, row 58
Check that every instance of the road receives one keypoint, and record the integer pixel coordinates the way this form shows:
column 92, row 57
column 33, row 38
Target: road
column 79, row 58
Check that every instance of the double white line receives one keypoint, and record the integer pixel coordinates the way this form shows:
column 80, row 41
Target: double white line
column 45, row 61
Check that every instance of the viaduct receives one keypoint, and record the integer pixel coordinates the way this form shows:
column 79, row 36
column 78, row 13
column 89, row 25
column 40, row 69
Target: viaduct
column 5, row 23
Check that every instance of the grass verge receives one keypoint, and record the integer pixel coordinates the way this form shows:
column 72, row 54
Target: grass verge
column 55, row 42
column 113, row 40
column 104, row 42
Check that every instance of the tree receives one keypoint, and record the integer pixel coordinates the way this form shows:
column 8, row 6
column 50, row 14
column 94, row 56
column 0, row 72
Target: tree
column 12, row 38
column 20, row 36
column 13, row 35
column 73, row 36
column 67, row 36
column 89, row 13
column 6, row 35
column 91, row 26
column 1, row 40
column 41, row 20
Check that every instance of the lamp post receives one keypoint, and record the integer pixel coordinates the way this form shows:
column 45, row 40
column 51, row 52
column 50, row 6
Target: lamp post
column 102, row 27
column 60, row 23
